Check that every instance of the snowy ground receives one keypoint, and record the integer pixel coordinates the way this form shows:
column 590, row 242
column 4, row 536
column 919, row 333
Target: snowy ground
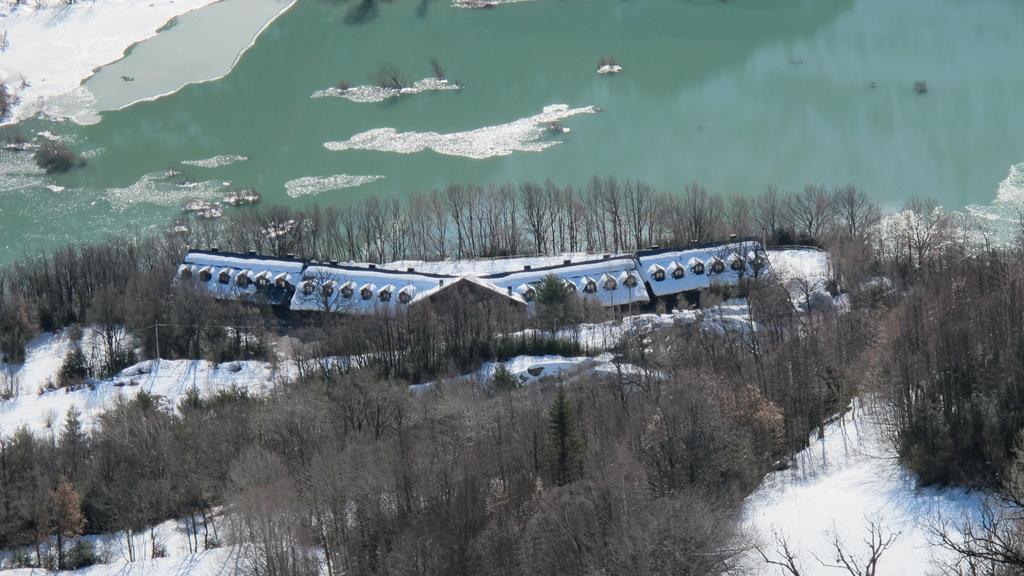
column 841, row 482
column 806, row 273
column 170, row 379
column 171, row 536
column 529, row 369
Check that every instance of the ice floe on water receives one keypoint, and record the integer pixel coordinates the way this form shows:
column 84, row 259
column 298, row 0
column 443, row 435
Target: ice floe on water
column 523, row 135
column 18, row 171
column 164, row 189
column 379, row 94
column 216, row 161
column 311, row 185
column 484, row 3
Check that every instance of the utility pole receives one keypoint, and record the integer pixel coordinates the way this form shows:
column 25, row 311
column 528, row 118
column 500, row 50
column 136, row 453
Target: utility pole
column 156, row 330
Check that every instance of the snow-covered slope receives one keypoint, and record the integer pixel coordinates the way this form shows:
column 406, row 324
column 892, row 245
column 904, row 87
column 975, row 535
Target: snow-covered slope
column 170, row 379
column 841, row 482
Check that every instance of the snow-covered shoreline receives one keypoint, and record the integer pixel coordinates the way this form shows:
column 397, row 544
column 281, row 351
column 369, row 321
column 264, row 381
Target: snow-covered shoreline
column 54, row 48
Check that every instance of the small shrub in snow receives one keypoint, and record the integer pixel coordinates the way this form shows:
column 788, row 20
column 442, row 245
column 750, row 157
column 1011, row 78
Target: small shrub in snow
column 6, row 100
column 81, row 555
column 75, row 368
column 503, row 379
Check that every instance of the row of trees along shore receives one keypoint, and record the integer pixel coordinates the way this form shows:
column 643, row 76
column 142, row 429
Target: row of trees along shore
column 643, row 470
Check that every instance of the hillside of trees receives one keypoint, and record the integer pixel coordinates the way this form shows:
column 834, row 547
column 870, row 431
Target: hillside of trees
column 345, row 470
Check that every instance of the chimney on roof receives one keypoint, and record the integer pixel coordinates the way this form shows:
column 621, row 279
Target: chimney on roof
column 607, row 256
column 509, row 290
column 655, row 246
column 372, row 266
column 732, row 236
column 314, row 262
column 410, row 269
column 440, row 282
column 213, row 248
column 290, row 255
column 567, row 261
column 527, row 267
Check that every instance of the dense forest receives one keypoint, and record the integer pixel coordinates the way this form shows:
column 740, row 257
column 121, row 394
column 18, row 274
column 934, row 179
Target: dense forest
column 343, row 470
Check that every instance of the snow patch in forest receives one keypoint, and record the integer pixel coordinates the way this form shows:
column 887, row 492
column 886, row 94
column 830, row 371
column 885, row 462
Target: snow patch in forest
column 529, row 369
column 216, row 161
column 369, row 93
column 523, row 135
column 169, row 379
column 312, row 185
column 841, row 481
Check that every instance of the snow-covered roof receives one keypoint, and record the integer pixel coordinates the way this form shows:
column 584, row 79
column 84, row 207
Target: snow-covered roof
column 234, row 276
column 385, row 288
column 579, row 273
column 675, row 262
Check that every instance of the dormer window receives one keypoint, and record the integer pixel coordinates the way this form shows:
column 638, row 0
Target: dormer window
column 308, row 288
column 697, row 267
column 186, row 272
column 242, row 280
column 385, row 294
column 406, row 295
column 657, row 273
column 609, row 283
column 528, row 293
column 630, row 281
column 348, row 290
column 366, row 292
column 327, row 290
column 224, row 276
column 205, row 274
column 736, row 263
column 717, row 266
column 589, row 286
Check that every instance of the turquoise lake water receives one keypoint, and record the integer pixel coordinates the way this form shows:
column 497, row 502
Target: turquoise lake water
column 737, row 95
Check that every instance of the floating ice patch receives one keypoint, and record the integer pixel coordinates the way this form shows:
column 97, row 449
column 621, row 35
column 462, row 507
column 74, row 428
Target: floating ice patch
column 523, row 135
column 483, row 3
column 18, row 171
column 311, row 185
column 378, row 94
column 216, row 161
column 163, row 189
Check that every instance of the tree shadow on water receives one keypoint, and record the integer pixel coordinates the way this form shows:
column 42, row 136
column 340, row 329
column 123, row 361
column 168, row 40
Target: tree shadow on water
column 421, row 8
column 363, row 12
